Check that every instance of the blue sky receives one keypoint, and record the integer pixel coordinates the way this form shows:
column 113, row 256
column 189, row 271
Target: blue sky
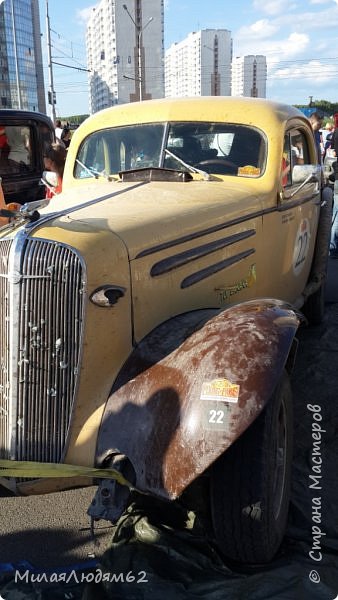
column 299, row 39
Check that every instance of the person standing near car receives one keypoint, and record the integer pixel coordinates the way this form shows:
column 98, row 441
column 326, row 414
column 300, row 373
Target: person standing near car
column 328, row 145
column 334, row 144
column 54, row 160
column 58, row 129
column 316, row 120
column 334, row 229
column 66, row 136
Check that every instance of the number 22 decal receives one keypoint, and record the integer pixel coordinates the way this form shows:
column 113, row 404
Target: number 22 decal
column 216, row 416
column 301, row 246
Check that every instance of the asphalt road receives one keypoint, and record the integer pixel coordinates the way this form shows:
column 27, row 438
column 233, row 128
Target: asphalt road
column 54, row 530
column 50, row 530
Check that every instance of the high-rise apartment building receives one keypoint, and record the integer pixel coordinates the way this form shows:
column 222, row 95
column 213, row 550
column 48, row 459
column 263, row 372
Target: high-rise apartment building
column 125, row 51
column 249, row 76
column 200, row 65
column 21, row 67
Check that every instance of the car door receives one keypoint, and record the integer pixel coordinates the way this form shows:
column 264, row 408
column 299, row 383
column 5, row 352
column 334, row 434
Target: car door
column 290, row 228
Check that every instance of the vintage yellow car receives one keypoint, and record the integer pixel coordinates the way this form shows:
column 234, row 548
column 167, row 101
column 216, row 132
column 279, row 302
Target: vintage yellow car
column 149, row 313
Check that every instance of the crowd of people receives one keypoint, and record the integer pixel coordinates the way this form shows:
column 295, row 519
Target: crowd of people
column 62, row 133
column 327, row 148
column 326, row 137
column 55, row 156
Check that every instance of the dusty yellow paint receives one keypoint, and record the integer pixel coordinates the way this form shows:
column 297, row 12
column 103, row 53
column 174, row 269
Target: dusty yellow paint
column 128, row 234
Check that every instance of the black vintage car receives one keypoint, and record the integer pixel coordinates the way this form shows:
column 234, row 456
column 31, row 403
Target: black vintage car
column 23, row 138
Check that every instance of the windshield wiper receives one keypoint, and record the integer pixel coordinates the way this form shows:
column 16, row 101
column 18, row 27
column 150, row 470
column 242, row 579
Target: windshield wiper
column 93, row 172
column 204, row 174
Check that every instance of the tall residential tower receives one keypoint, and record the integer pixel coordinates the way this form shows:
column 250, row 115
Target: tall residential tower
column 21, row 68
column 125, row 51
column 249, row 76
column 200, row 65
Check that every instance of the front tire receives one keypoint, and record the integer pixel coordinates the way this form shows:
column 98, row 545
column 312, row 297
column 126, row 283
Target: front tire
column 250, row 484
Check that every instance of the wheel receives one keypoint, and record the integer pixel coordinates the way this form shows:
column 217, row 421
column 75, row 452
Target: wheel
column 314, row 307
column 219, row 165
column 250, row 484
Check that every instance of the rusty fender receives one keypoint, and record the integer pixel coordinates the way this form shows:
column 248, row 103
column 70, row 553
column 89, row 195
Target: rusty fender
column 191, row 388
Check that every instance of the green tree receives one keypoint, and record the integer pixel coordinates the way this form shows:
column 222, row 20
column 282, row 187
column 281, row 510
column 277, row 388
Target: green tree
column 75, row 120
column 326, row 107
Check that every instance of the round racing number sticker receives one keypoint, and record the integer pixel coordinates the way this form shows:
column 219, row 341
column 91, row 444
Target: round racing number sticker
column 301, row 246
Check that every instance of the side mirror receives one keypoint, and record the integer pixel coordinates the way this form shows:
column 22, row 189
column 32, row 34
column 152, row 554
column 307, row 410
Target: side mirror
column 49, row 179
column 306, row 173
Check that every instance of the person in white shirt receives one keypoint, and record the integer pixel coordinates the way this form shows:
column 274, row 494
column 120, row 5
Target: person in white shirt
column 58, row 129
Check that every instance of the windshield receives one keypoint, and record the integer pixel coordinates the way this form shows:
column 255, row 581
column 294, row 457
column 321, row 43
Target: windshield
column 219, row 148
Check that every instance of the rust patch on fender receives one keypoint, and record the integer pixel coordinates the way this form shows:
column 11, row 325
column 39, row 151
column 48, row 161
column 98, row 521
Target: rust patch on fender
column 157, row 415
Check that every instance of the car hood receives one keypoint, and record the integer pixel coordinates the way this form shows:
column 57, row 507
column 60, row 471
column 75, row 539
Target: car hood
column 145, row 213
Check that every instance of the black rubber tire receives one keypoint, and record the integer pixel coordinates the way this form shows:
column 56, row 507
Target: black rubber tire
column 314, row 307
column 249, row 493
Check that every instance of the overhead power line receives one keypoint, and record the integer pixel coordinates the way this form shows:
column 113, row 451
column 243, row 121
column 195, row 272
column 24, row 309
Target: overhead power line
column 71, row 42
column 70, row 66
column 65, row 55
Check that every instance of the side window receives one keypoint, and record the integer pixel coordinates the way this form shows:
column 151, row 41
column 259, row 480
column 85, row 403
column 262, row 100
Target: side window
column 16, row 149
column 286, row 162
column 299, row 148
column 295, row 152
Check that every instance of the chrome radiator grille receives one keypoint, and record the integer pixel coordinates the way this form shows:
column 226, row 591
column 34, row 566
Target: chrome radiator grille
column 44, row 349
column 5, row 427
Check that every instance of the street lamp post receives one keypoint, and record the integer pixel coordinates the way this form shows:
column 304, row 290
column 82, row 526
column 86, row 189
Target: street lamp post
column 51, row 94
column 139, row 31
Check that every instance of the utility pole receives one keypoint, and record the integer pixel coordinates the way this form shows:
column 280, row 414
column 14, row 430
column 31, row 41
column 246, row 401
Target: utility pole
column 139, row 30
column 51, row 92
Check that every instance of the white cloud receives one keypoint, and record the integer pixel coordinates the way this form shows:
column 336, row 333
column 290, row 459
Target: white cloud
column 258, row 30
column 84, row 14
column 273, row 7
column 253, row 41
column 311, row 20
column 314, row 71
column 294, row 45
column 277, row 39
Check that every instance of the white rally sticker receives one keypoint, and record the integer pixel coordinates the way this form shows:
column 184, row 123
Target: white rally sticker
column 301, row 246
column 220, row 390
